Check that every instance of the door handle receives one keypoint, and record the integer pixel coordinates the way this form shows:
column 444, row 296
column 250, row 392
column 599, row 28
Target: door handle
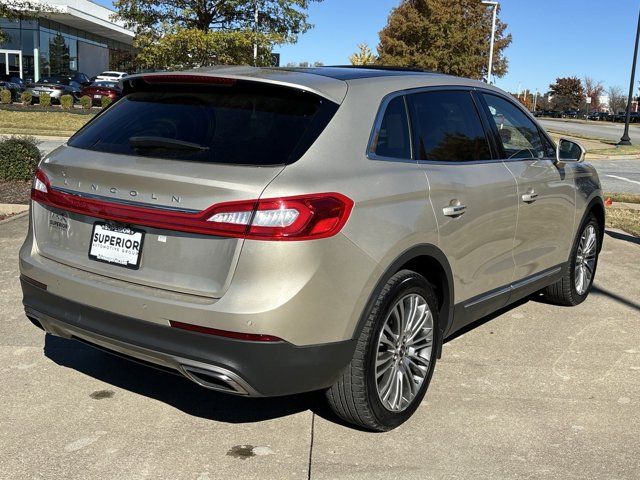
column 529, row 197
column 454, row 210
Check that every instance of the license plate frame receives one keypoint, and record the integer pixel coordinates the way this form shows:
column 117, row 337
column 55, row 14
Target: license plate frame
column 116, row 231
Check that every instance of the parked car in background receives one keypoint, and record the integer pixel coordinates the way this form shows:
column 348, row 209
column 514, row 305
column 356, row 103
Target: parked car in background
column 620, row 116
column 570, row 114
column 14, row 84
column 551, row 114
column 597, row 116
column 100, row 89
column 537, row 113
column 111, row 76
column 13, row 88
column 223, row 225
column 56, row 86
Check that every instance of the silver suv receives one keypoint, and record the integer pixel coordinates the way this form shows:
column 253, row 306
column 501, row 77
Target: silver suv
column 267, row 232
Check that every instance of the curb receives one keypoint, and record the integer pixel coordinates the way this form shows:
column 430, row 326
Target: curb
column 14, row 217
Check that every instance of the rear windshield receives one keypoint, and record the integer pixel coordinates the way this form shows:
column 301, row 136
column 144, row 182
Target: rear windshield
column 232, row 125
column 56, row 80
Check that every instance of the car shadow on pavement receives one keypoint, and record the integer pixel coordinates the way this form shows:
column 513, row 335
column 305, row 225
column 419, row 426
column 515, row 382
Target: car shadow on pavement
column 173, row 390
column 623, row 236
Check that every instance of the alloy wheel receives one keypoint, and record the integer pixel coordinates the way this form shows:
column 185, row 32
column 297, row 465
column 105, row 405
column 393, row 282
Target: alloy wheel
column 404, row 352
column 586, row 259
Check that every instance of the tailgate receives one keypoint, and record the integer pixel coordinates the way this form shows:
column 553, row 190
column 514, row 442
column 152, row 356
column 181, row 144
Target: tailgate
column 177, row 261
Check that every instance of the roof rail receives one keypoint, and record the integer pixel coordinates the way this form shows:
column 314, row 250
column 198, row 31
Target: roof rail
column 384, row 67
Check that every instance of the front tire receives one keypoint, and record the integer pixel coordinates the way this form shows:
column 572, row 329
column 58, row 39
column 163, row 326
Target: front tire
column 394, row 359
column 574, row 286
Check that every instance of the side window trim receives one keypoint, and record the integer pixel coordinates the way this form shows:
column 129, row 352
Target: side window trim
column 375, row 132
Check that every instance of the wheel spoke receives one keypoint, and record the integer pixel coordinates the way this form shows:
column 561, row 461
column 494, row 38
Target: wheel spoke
column 404, row 340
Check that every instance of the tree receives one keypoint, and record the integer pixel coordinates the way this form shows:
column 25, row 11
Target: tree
column 567, row 93
column 445, row 36
column 193, row 48
column 593, row 90
column 363, row 56
column 617, row 100
column 162, row 23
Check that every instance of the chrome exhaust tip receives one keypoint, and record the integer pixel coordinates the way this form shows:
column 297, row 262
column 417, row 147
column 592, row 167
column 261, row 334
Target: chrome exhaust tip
column 216, row 378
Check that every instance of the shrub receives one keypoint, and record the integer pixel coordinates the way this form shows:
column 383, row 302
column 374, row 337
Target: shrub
column 66, row 101
column 105, row 101
column 26, row 98
column 5, row 96
column 45, row 100
column 86, row 101
column 19, row 157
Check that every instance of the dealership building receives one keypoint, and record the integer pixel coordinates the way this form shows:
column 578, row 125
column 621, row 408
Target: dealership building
column 71, row 36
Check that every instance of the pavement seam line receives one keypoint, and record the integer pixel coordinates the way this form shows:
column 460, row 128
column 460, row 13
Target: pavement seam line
column 313, row 424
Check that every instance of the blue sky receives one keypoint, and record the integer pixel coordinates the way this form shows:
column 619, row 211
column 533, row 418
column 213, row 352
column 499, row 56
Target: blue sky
column 551, row 38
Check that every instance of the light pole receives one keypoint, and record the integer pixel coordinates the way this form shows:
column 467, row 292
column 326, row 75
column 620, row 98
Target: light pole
column 625, row 140
column 493, row 36
column 255, row 33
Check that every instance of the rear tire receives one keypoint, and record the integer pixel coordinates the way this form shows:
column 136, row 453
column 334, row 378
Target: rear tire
column 391, row 369
column 574, row 286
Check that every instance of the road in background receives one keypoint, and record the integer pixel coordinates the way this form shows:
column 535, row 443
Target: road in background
column 602, row 130
column 619, row 176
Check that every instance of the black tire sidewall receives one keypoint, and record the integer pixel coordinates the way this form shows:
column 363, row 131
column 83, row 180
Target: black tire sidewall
column 410, row 283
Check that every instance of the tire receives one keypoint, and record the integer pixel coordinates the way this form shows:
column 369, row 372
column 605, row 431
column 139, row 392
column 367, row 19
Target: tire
column 355, row 396
column 568, row 291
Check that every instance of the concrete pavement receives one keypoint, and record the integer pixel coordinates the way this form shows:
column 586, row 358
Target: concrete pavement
column 537, row 392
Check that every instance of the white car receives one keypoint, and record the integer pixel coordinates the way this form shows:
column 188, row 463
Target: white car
column 112, row 76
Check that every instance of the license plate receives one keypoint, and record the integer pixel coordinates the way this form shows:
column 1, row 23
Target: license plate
column 117, row 245
column 97, row 96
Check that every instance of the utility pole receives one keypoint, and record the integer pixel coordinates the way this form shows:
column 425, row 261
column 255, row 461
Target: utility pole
column 625, row 139
column 535, row 100
column 255, row 33
column 493, row 37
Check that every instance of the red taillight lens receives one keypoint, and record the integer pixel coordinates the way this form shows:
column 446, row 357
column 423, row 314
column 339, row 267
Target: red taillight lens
column 57, row 88
column 251, row 337
column 303, row 217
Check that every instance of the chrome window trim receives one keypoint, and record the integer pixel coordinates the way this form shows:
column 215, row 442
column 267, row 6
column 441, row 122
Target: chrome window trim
column 371, row 145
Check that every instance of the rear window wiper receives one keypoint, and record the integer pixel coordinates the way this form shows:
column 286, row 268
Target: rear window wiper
column 164, row 143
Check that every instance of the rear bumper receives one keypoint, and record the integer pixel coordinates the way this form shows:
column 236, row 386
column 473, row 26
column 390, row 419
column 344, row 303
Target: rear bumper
column 233, row 366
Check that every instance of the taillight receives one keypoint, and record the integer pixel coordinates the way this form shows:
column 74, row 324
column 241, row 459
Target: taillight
column 57, row 87
column 302, row 217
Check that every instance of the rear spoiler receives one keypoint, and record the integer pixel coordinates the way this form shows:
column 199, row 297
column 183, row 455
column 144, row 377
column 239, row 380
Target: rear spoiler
column 329, row 88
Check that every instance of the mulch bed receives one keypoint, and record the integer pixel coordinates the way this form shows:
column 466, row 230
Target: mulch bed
column 16, row 191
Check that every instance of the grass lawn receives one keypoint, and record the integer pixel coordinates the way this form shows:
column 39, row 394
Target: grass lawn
column 624, row 219
column 61, row 124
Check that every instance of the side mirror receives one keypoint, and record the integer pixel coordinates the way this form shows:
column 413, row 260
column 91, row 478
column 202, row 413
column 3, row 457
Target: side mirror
column 569, row 150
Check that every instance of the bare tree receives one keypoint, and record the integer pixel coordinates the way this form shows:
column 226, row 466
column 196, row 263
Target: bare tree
column 593, row 89
column 617, row 100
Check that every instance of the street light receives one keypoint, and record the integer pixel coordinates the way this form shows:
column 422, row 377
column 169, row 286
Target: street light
column 625, row 139
column 493, row 35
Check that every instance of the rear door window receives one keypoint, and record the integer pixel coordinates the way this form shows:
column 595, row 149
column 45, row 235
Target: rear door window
column 393, row 133
column 446, row 127
column 242, row 124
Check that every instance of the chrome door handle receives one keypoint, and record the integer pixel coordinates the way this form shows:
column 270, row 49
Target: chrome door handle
column 454, row 210
column 529, row 197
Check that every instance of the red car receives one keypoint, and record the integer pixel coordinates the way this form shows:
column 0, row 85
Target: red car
column 100, row 89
